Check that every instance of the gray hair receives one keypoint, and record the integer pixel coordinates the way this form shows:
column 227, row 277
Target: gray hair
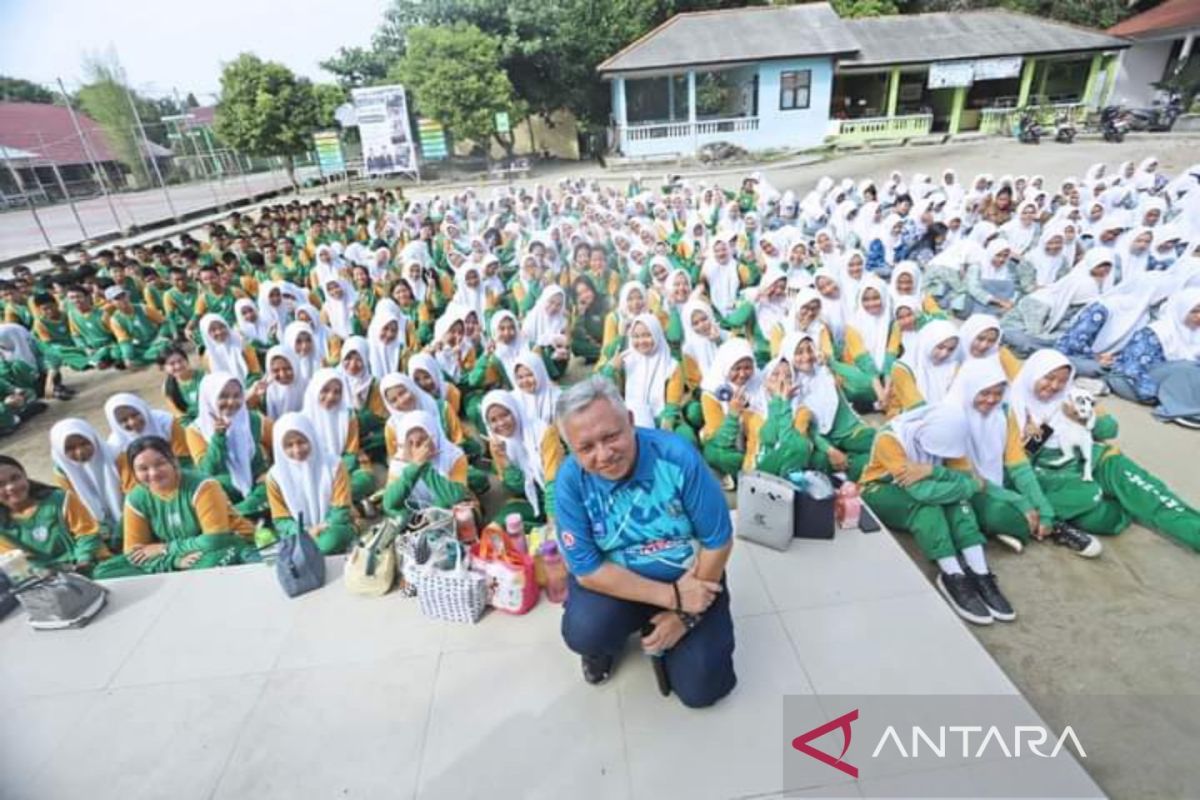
column 578, row 397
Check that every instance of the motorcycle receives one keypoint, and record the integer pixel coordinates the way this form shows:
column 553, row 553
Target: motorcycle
column 1159, row 119
column 1064, row 128
column 1114, row 123
column 1029, row 130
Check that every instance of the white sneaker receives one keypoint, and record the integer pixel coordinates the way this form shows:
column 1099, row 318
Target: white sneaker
column 1093, row 386
column 1011, row 542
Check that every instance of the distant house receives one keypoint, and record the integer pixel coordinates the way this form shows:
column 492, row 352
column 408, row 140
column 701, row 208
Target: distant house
column 41, row 144
column 797, row 76
column 1163, row 40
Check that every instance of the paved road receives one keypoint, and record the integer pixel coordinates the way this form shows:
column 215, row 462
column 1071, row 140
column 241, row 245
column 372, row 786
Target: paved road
column 19, row 233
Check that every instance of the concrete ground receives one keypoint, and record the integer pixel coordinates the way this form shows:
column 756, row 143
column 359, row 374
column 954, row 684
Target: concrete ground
column 1123, row 624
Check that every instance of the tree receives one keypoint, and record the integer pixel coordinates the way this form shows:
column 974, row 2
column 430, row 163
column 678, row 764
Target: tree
column 105, row 99
column 454, row 73
column 328, row 97
column 265, row 110
column 849, row 9
column 357, row 66
column 19, row 90
column 190, row 101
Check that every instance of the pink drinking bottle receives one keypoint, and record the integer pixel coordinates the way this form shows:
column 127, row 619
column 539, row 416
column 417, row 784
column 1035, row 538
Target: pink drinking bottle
column 849, row 506
column 556, row 572
column 515, row 526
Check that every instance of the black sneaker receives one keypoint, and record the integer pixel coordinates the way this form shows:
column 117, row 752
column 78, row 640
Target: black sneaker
column 1079, row 542
column 597, row 669
column 989, row 592
column 960, row 593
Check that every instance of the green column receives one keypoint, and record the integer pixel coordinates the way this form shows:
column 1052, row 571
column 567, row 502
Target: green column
column 893, row 92
column 956, row 108
column 1026, row 81
column 1089, row 85
column 1110, row 79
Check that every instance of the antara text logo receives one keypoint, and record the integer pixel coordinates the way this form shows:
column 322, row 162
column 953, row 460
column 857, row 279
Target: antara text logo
column 943, row 741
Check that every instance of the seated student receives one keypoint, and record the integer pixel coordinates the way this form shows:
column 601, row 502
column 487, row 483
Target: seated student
column 130, row 417
column 427, row 374
column 281, row 390
column 923, row 374
column 1095, row 337
column 734, row 403
column 89, row 329
column 842, row 441
column 224, row 351
column 756, row 321
column 1011, row 507
column 428, row 471
column 991, row 284
column 51, row 525
column 589, row 310
column 229, row 442
column 253, row 328
column 650, row 377
column 1040, row 318
column 385, row 340
column 140, row 331
column 805, row 317
column 872, row 345
column 783, row 442
column 887, row 247
column 908, row 487
column 1161, row 363
column 1121, row 488
column 307, row 347
column 545, row 329
column 176, row 519
column 52, row 330
column 327, row 406
column 364, row 397
column 308, row 488
column 401, row 395
column 534, row 391
column 179, row 304
column 526, row 454
column 181, row 387
column 85, row 466
column 342, row 314
column 980, row 335
column 25, row 364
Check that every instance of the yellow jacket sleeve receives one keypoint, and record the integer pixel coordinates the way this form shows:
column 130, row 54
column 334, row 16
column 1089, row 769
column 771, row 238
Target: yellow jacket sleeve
column 691, row 372
column 714, row 415
column 903, row 393
column 196, row 443
column 1014, row 449
column 887, row 458
column 854, row 346
column 215, row 513
column 675, row 387
column 179, row 443
column 1009, row 363
column 80, row 521
column 278, row 505
column 458, row 473
column 552, row 453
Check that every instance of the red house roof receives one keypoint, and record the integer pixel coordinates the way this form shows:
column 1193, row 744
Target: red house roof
column 1171, row 16
column 47, row 130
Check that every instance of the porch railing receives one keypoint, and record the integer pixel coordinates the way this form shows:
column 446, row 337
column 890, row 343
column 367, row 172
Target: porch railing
column 1003, row 121
column 867, row 128
column 685, row 131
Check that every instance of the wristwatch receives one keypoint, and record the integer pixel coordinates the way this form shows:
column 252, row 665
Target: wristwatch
column 689, row 620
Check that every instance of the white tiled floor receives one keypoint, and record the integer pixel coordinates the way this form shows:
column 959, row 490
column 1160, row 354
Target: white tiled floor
column 214, row 685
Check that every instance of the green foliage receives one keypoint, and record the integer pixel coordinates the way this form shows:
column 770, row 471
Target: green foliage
column 357, row 66
column 265, row 110
column 328, row 96
column 850, row 9
column 105, row 100
column 1092, row 13
column 454, row 73
column 19, row 90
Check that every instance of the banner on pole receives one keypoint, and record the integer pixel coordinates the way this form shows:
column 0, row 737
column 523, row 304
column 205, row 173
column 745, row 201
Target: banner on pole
column 329, row 152
column 432, row 137
column 387, row 141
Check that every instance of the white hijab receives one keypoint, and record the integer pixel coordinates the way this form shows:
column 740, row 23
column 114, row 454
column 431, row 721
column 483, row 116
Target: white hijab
column 359, row 386
column 524, row 448
column 1026, row 404
column 97, row 482
column 239, row 441
column 931, row 433
column 16, row 343
column 970, row 330
column 384, row 358
column 541, row 327
column 282, row 399
column 1179, row 342
column 933, row 380
column 1077, row 287
column 331, row 426
column 158, row 423
column 429, row 365
column 987, row 434
column 816, row 390
column 340, row 313
column 507, row 354
column 728, row 355
column 446, row 453
column 258, row 330
column 307, row 486
column 724, row 282
column 540, row 404
column 874, row 329
column 646, row 376
column 224, row 356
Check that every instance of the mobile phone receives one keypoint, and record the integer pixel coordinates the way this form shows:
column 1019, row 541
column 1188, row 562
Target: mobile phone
column 1034, row 445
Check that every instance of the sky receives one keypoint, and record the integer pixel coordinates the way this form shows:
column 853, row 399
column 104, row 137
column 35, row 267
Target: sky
column 166, row 44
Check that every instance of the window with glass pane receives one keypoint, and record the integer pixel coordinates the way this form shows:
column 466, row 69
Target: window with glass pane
column 794, row 89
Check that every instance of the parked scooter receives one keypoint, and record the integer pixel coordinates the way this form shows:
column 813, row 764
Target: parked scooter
column 1064, row 128
column 1159, row 118
column 1114, row 123
column 1029, row 130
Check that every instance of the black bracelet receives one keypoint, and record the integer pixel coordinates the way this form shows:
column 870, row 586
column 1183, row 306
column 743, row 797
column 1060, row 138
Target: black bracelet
column 678, row 598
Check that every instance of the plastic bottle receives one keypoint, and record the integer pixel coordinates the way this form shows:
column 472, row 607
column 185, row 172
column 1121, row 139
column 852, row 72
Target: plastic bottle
column 556, row 572
column 464, row 523
column 849, row 505
column 515, row 526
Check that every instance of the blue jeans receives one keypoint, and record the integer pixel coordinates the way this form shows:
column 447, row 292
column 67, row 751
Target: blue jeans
column 700, row 665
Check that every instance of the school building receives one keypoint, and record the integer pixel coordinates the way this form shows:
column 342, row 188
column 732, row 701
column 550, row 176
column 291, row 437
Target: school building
column 788, row 77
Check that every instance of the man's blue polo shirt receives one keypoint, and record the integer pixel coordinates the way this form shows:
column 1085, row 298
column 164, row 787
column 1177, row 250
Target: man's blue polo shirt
column 649, row 522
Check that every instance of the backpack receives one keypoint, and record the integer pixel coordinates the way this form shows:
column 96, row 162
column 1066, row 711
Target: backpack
column 60, row 600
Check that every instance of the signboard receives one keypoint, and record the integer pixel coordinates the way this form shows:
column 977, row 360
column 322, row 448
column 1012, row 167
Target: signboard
column 950, row 74
column 432, row 137
column 329, row 152
column 990, row 69
column 502, row 125
column 387, row 141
